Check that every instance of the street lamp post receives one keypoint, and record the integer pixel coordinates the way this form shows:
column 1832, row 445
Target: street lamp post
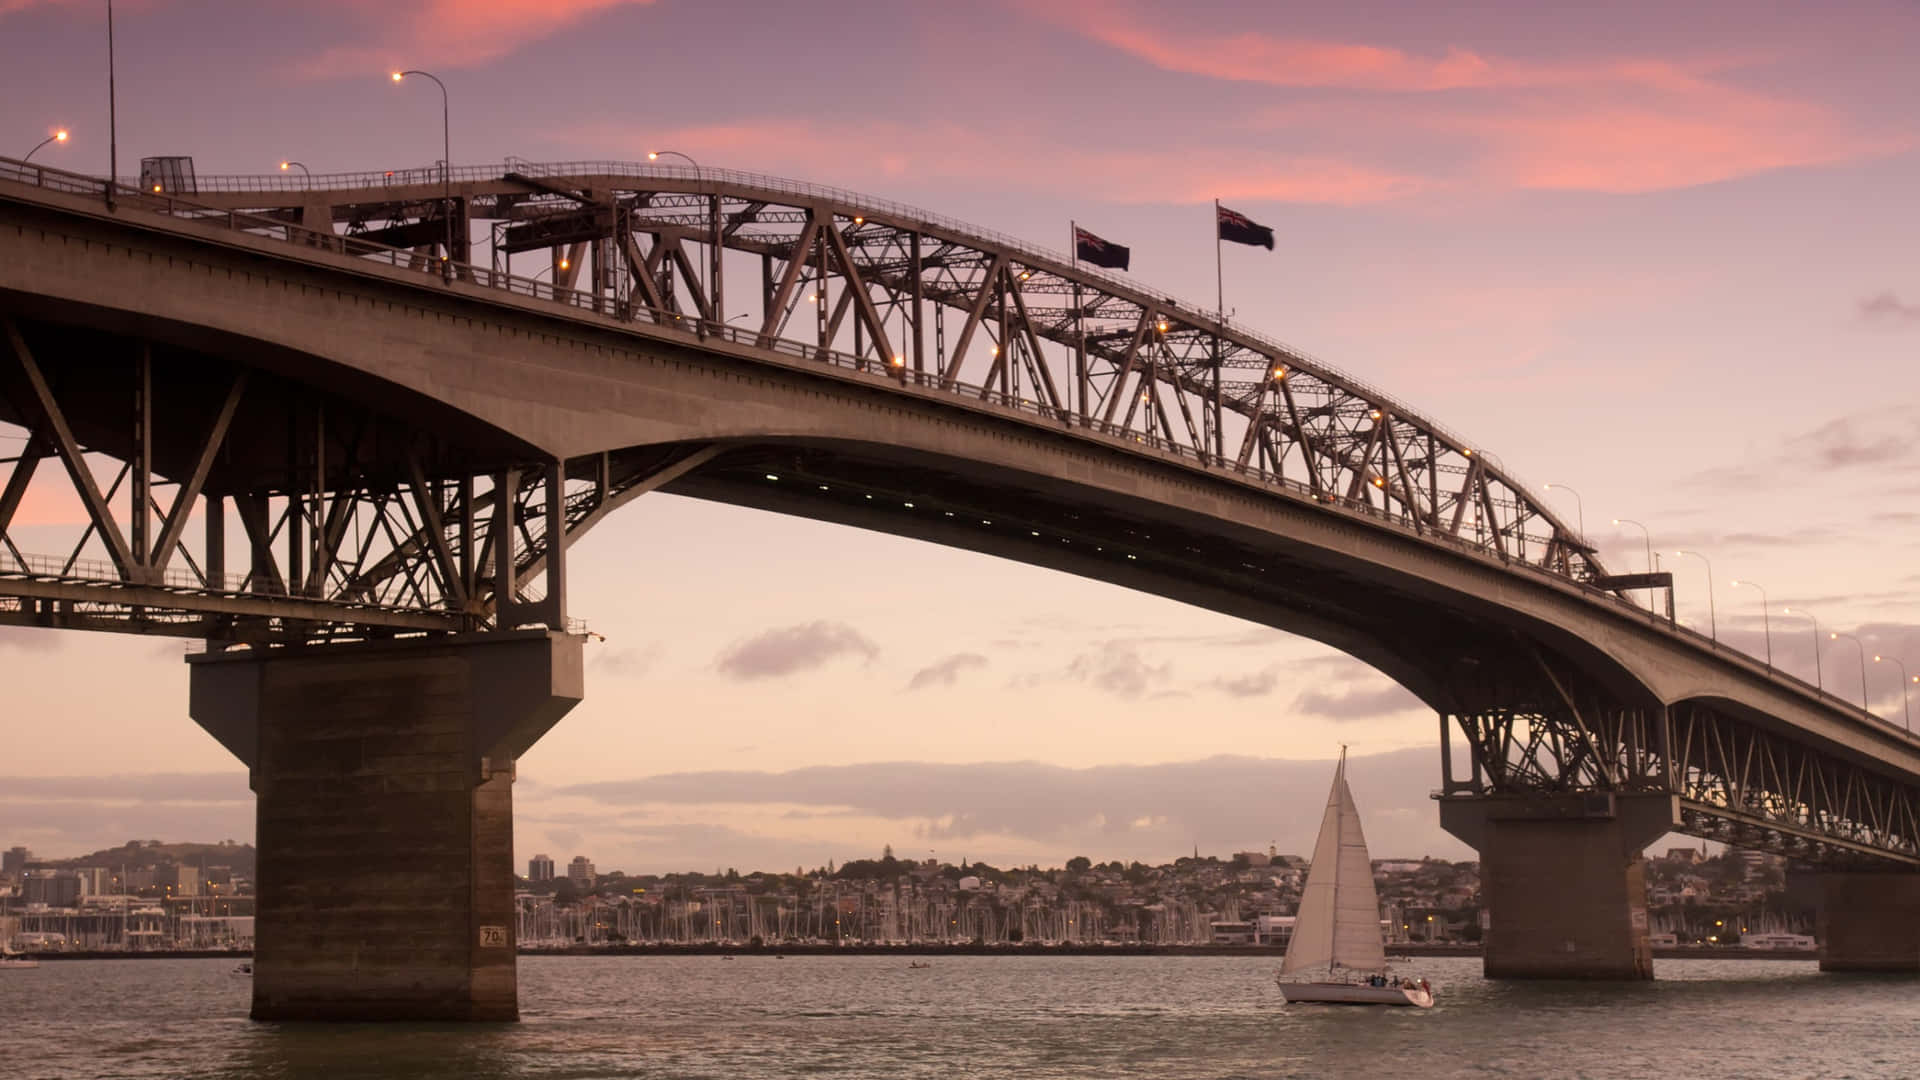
column 1648, row 537
column 1835, row 636
column 709, row 272
column 1766, row 620
column 1817, row 683
column 446, row 163
column 308, row 173
column 1906, row 680
column 1713, row 619
column 59, row 136
column 1579, row 507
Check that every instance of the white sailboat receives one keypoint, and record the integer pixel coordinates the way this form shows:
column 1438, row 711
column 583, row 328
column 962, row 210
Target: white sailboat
column 1336, row 955
column 13, row 961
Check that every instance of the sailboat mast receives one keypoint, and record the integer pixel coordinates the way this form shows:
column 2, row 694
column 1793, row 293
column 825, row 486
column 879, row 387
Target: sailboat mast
column 1339, row 829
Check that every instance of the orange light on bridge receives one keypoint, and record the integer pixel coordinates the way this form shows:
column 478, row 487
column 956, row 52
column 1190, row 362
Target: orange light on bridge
column 899, row 361
column 566, row 264
column 1280, row 373
column 858, row 220
column 1162, row 326
column 1379, row 482
column 1373, row 414
column 396, row 76
column 60, row 136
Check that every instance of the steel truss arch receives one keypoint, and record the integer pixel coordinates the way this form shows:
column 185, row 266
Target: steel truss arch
column 941, row 303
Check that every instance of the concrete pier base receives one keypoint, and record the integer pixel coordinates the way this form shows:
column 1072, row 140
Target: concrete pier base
column 1562, row 881
column 1869, row 922
column 383, row 775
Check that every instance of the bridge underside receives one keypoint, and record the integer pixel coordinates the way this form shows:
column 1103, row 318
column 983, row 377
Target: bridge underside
column 287, row 452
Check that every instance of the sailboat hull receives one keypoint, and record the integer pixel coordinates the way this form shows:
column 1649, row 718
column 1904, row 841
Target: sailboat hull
column 1306, row 993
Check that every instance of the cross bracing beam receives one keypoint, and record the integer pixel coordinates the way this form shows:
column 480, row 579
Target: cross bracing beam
column 884, row 265
column 1737, row 781
column 348, row 515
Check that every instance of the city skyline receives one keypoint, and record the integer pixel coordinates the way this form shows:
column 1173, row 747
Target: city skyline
column 1469, row 209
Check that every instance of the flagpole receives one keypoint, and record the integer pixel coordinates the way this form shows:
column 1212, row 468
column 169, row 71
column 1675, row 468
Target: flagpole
column 113, row 115
column 1079, row 325
column 1220, row 319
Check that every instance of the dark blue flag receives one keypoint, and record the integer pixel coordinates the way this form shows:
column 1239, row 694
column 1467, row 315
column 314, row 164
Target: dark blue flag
column 1100, row 252
column 1241, row 229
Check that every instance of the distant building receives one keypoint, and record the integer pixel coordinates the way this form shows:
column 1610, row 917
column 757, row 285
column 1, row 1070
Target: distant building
column 1255, row 859
column 184, row 880
column 14, row 861
column 1231, row 933
column 1272, row 929
column 54, row 888
column 540, row 868
column 580, row 872
column 95, row 880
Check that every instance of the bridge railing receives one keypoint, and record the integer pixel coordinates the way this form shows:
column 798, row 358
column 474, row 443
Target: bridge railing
column 625, row 311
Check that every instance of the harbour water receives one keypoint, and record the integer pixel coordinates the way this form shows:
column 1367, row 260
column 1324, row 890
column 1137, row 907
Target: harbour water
column 1037, row 1018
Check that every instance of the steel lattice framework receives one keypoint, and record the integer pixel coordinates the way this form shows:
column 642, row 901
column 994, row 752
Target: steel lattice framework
column 848, row 280
column 357, row 524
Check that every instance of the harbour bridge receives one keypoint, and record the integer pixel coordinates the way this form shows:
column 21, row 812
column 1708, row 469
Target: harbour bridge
column 305, row 426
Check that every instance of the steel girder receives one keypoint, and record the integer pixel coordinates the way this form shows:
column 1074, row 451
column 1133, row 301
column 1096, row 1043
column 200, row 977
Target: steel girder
column 886, row 288
column 347, row 521
column 1738, row 781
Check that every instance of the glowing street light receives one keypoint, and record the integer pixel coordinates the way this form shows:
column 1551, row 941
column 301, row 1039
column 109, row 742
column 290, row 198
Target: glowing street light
column 446, row 162
column 1713, row 619
column 1906, row 683
column 1808, row 615
column 59, row 136
column 308, row 173
column 1766, row 622
column 699, row 176
column 1648, row 537
column 1579, row 507
column 1836, row 636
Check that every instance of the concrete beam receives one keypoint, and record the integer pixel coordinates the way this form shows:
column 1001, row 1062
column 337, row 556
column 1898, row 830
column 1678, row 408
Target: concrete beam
column 1563, row 882
column 383, row 775
column 1869, row 922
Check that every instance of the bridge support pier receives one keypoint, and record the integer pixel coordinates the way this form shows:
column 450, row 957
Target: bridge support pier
column 1562, row 881
column 383, row 779
column 1869, row 922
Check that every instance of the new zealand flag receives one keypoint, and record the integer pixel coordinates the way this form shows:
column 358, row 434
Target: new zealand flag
column 1241, row 229
column 1100, row 252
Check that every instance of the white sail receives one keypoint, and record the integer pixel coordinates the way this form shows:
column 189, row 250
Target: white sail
column 1338, row 925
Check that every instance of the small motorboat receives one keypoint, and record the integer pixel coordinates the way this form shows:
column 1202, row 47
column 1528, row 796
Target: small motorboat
column 242, row 968
column 13, row 961
column 917, row 965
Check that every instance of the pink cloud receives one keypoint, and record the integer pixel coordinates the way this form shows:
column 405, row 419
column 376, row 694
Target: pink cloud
column 447, row 33
column 1612, row 125
column 1279, row 60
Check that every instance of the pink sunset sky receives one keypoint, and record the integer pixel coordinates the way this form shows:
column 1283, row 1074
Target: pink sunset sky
column 1665, row 253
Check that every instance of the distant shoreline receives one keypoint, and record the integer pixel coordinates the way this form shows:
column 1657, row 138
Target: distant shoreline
column 812, row 949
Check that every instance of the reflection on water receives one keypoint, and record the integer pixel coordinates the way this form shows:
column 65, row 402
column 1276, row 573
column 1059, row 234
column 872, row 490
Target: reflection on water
column 1033, row 1017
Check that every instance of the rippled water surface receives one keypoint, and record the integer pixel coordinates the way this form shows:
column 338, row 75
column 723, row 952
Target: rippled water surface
column 1034, row 1018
